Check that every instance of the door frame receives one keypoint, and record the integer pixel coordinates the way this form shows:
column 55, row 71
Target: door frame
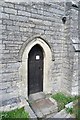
column 46, row 70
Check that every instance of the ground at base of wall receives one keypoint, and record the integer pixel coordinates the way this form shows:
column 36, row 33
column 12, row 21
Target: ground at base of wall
column 68, row 106
column 17, row 113
column 44, row 106
column 62, row 99
column 64, row 113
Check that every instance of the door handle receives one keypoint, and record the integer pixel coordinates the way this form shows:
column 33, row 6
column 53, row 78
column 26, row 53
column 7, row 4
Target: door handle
column 40, row 68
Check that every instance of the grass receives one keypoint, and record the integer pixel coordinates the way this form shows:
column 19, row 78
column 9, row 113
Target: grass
column 62, row 100
column 69, row 110
column 17, row 113
column 76, row 108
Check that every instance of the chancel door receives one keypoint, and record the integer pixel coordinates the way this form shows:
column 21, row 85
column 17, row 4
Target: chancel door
column 35, row 70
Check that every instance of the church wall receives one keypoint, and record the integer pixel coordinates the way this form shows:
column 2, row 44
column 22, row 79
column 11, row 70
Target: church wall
column 22, row 22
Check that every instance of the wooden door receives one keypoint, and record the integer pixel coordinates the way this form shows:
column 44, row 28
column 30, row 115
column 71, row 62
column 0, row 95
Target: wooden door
column 35, row 70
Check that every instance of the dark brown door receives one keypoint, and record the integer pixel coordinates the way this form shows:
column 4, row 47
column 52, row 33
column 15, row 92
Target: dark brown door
column 35, row 70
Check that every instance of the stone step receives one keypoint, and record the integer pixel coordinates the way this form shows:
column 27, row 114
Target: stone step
column 51, row 115
column 70, row 116
column 44, row 107
column 36, row 96
column 63, row 114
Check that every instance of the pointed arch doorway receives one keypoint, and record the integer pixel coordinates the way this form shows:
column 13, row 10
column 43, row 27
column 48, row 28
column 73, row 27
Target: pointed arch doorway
column 35, row 70
column 27, row 49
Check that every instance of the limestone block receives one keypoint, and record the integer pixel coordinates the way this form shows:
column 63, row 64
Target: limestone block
column 5, row 16
column 10, row 11
column 20, row 7
column 24, row 13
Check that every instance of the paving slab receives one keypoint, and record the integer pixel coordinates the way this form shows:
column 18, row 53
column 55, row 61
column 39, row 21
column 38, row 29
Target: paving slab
column 63, row 114
column 43, row 107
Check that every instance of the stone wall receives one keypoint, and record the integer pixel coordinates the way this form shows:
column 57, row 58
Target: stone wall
column 79, row 50
column 20, row 22
column 75, row 42
column 70, row 50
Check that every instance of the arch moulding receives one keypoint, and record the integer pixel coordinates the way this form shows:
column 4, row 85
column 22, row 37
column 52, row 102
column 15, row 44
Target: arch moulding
column 46, row 67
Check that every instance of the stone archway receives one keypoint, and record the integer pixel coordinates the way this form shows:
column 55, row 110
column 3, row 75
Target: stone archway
column 47, row 64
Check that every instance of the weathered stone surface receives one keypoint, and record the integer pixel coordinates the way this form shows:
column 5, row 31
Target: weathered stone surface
column 31, row 113
column 63, row 114
column 10, row 11
column 44, row 107
column 18, row 23
column 36, row 96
